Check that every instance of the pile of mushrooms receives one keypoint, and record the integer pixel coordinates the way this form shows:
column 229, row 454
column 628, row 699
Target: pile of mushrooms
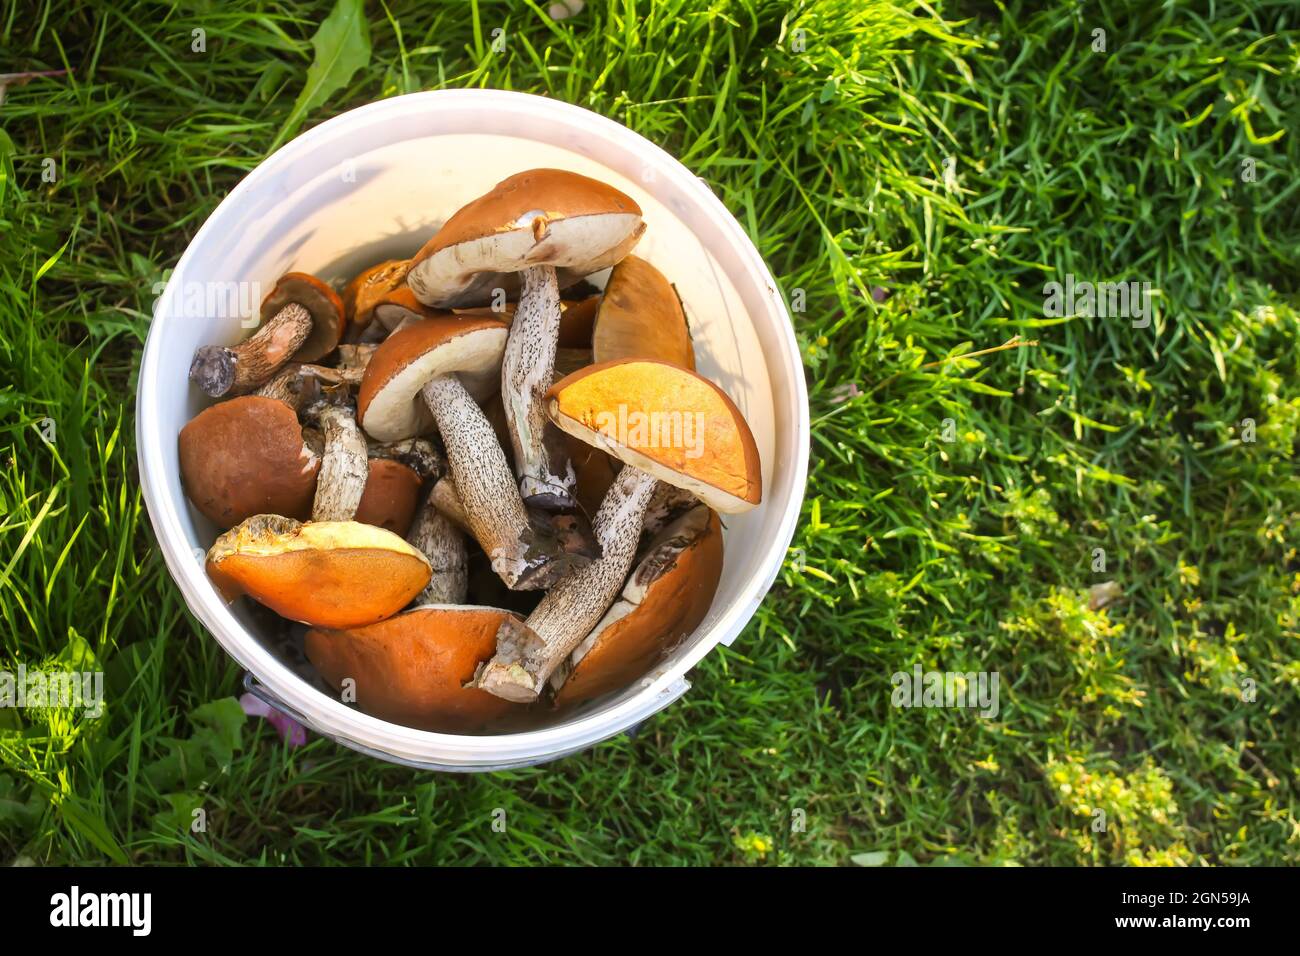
column 434, row 471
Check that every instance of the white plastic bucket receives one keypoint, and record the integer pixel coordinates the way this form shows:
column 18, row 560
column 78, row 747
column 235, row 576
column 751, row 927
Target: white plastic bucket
column 376, row 182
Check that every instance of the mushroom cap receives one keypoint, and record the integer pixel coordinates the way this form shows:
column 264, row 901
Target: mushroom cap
column 641, row 316
column 666, row 597
column 400, row 304
column 537, row 217
column 577, row 320
column 322, row 302
column 322, row 573
column 246, row 456
column 389, row 405
column 367, row 288
column 390, row 495
column 411, row 669
column 670, row 422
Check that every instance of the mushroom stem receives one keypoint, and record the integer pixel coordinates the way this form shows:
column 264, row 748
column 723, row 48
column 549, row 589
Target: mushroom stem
column 521, row 553
column 355, row 355
column 443, row 544
column 446, row 499
column 344, row 467
column 219, row 370
column 528, row 653
column 527, row 368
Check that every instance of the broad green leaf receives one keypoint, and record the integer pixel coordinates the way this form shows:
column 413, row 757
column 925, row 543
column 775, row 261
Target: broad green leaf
column 342, row 45
column 92, row 826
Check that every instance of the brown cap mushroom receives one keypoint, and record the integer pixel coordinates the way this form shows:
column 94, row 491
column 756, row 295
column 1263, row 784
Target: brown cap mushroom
column 327, row 574
column 665, row 598
column 432, row 369
column 412, row 668
column 302, row 319
column 390, row 496
column 641, row 316
column 245, row 457
column 389, row 403
column 400, row 307
column 638, row 412
column 532, row 223
column 365, row 290
column 540, row 216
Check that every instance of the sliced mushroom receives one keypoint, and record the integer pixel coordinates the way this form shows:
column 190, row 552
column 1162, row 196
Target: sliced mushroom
column 602, row 405
column 412, row 668
column 326, row 574
column 641, row 316
column 666, row 597
column 365, row 290
column 343, row 471
column 247, row 456
column 302, row 319
column 532, row 223
column 432, row 370
column 439, row 540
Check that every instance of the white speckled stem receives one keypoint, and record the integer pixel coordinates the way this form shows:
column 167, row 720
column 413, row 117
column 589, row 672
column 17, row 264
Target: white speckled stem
column 344, row 466
column 444, row 545
column 528, row 653
column 527, row 369
column 492, row 504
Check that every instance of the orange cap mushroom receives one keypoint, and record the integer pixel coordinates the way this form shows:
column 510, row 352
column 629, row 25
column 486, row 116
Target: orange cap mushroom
column 412, row 669
column 325, row 573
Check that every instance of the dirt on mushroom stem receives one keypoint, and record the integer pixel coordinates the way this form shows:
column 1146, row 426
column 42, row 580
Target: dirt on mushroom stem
column 219, row 370
column 529, row 652
column 546, row 479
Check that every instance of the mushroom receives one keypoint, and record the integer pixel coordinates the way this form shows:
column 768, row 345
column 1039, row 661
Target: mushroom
column 390, row 495
column 665, row 599
column 247, row 456
column 411, row 669
column 396, row 471
column 326, row 574
column 302, row 319
column 627, row 408
column 343, row 471
column 531, row 223
column 365, row 290
column 433, row 370
column 400, row 307
column 355, row 355
column 439, row 540
column 444, row 496
column 641, row 316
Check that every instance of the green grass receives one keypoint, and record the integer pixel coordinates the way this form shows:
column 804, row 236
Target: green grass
column 961, row 158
